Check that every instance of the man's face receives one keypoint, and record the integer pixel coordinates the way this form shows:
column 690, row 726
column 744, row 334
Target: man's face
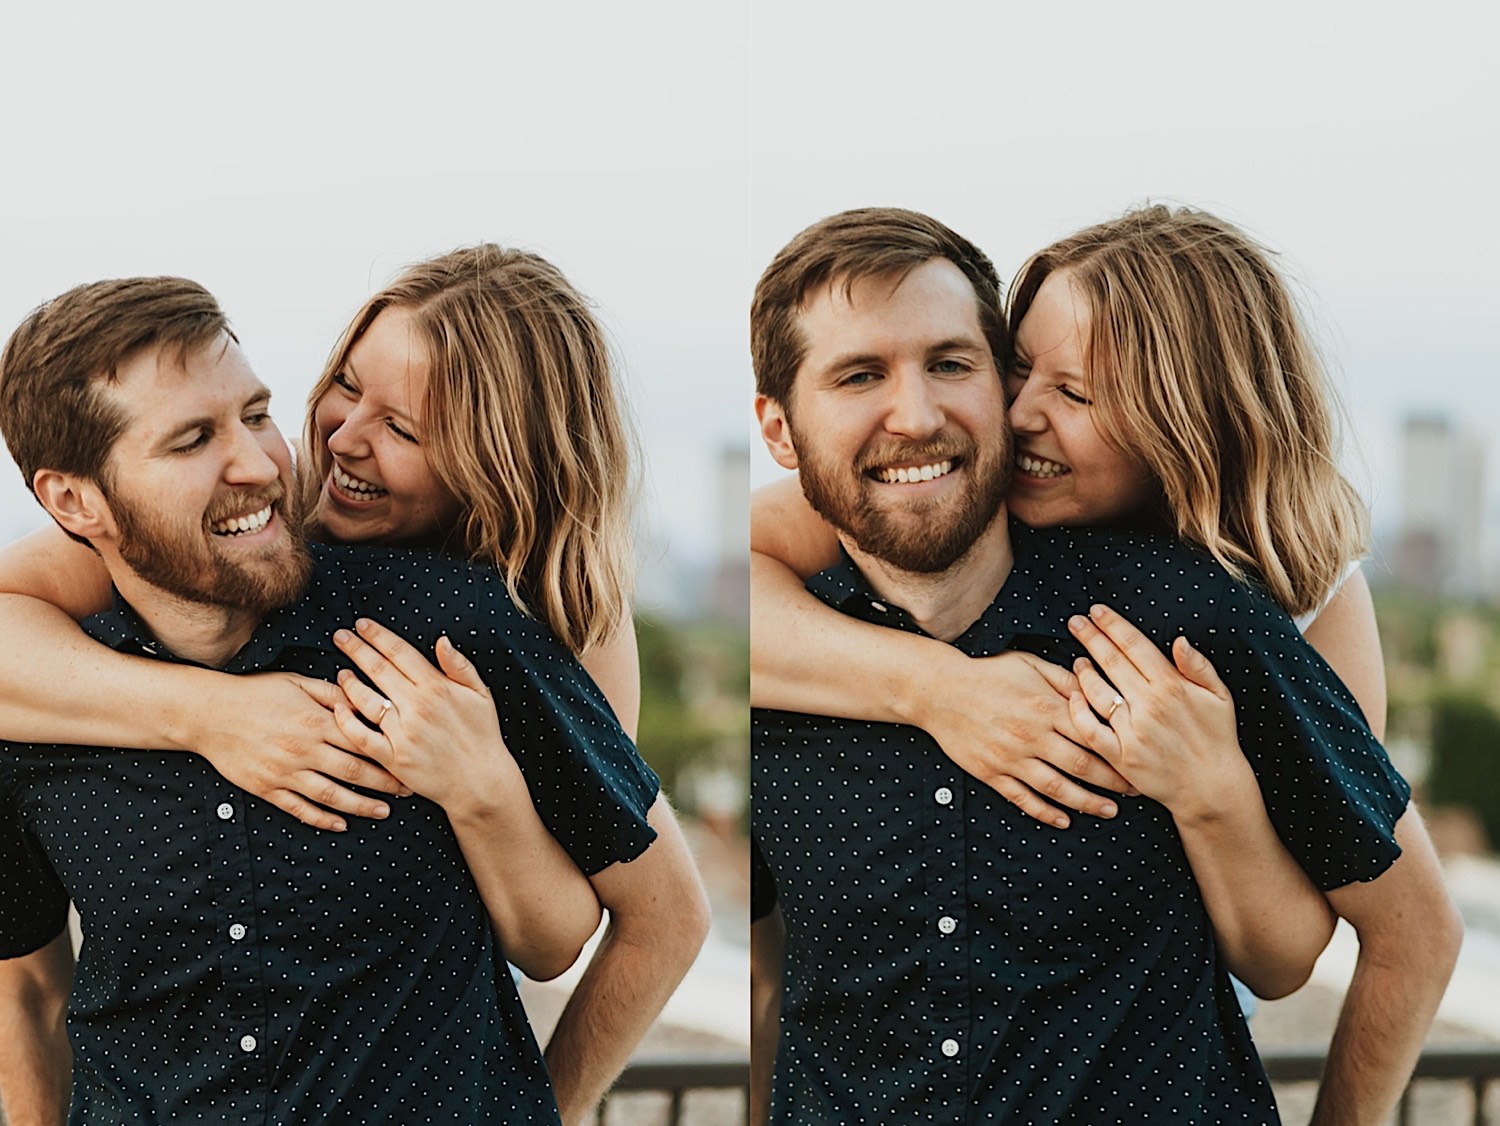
column 897, row 417
column 199, row 483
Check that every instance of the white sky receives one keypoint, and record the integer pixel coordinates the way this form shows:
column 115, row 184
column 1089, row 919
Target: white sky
column 293, row 157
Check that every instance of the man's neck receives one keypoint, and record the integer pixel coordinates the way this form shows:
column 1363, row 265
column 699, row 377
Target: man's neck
column 945, row 603
column 195, row 631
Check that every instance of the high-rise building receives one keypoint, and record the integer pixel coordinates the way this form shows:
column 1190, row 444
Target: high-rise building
column 1438, row 546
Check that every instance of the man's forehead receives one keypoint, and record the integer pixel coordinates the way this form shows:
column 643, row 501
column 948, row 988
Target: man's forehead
column 162, row 384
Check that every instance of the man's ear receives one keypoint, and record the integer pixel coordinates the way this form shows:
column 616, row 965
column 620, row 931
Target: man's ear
column 776, row 431
column 76, row 503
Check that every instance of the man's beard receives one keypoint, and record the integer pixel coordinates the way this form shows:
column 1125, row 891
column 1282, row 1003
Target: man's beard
column 183, row 560
column 923, row 536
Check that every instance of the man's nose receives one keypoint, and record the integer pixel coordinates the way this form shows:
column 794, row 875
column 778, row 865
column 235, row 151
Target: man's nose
column 913, row 410
column 251, row 462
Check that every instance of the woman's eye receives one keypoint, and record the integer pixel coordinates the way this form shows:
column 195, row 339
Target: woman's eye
column 1018, row 372
column 1074, row 397
column 402, row 434
column 346, row 383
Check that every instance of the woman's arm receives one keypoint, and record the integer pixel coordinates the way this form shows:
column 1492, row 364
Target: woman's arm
column 437, row 730
column 61, row 686
column 615, row 665
column 1170, row 728
column 1004, row 720
column 1409, row 929
column 1345, row 635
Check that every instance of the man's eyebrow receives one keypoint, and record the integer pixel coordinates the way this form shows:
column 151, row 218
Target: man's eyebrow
column 260, row 397
column 959, row 344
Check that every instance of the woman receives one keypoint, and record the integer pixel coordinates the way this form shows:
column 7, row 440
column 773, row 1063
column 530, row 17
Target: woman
column 1160, row 381
column 480, row 375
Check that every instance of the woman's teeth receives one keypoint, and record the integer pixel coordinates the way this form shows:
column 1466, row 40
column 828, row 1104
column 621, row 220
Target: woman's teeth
column 1040, row 466
column 907, row 475
column 355, row 487
column 242, row 525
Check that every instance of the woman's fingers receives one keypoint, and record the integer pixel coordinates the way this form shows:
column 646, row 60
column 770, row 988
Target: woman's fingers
column 368, row 702
column 1198, row 668
column 1118, row 646
column 458, row 668
column 382, row 656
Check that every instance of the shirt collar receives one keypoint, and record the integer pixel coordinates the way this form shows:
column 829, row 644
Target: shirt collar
column 1044, row 588
column 299, row 625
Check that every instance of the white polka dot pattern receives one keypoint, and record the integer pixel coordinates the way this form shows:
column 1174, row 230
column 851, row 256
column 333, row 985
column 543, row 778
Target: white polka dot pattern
column 951, row 960
column 240, row 967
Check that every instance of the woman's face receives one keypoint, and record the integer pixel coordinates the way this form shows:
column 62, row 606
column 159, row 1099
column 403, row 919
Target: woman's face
column 1066, row 473
column 381, row 486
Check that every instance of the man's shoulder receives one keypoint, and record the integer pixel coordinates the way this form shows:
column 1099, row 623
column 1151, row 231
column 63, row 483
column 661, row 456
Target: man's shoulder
column 1106, row 554
column 419, row 592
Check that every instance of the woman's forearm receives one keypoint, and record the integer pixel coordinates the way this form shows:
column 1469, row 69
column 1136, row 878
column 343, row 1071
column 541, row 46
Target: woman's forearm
column 1270, row 920
column 807, row 657
column 58, row 685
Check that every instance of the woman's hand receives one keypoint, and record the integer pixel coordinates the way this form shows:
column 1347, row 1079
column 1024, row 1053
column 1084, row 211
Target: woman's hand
column 435, row 728
column 285, row 746
column 1005, row 720
column 1168, row 726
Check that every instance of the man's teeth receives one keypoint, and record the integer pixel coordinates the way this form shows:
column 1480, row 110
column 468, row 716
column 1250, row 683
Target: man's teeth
column 355, row 486
column 907, row 475
column 242, row 525
column 1040, row 466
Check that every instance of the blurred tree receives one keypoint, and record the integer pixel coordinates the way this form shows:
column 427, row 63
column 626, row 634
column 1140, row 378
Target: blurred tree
column 1465, row 766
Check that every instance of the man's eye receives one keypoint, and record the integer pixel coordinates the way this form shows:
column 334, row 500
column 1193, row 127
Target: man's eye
column 859, row 378
column 950, row 367
column 257, row 419
column 197, row 443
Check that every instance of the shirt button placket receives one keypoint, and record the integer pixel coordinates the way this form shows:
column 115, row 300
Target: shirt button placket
column 948, row 970
column 244, row 1006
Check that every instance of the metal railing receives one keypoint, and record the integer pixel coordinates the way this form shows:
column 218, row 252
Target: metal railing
column 677, row 1075
column 1478, row 1065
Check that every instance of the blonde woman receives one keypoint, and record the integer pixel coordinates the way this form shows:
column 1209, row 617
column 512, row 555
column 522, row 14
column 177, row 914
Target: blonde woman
column 468, row 408
column 1160, row 380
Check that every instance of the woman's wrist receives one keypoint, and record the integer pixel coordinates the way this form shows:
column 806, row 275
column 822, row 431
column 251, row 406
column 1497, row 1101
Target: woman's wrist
column 913, row 686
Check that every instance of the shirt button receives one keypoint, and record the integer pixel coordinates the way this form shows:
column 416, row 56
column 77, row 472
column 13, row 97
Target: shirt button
column 944, row 796
column 947, row 924
column 225, row 811
column 247, row 1044
column 237, row 931
column 950, row 1048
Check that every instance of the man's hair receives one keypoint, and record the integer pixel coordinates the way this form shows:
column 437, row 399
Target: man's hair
column 846, row 248
column 55, row 365
column 1200, row 367
column 523, row 424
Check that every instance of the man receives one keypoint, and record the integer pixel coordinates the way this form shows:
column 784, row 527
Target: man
column 931, row 953
column 241, row 966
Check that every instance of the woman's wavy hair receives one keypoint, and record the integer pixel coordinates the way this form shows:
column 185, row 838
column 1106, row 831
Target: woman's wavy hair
column 524, row 424
column 1202, row 369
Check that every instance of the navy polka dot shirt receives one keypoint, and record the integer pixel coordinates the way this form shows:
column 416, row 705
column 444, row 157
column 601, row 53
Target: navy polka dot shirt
column 239, row 967
column 951, row 960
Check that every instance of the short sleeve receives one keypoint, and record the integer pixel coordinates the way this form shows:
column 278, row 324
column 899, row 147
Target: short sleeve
column 762, row 885
column 1329, row 787
column 588, row 782
column 34, row 904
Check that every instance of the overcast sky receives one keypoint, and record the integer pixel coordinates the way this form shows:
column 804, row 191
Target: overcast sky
column 293, row 157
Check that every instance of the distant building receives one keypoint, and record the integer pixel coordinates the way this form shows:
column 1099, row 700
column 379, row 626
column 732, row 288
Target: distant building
column 1438, row 545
